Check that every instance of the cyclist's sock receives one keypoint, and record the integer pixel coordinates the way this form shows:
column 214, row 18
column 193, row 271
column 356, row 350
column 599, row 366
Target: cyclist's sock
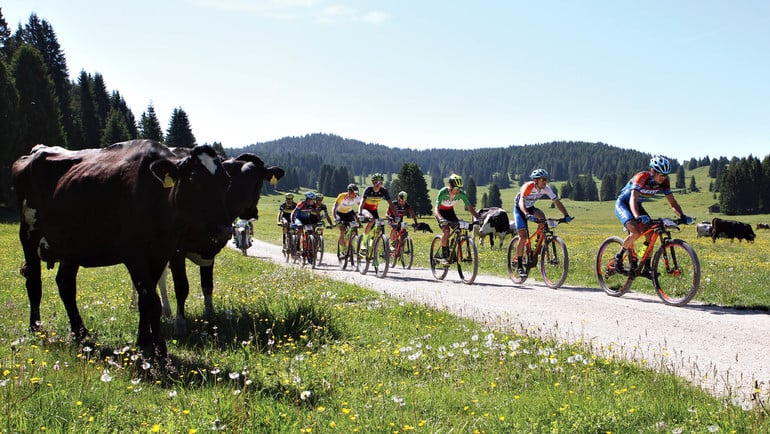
column 518, row 261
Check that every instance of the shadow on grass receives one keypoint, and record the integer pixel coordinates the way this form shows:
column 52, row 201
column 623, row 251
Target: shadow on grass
column 8, row 215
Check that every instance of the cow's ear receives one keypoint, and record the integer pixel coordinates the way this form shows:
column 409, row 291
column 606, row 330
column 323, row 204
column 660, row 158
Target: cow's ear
column 274, row 174
column 166, row 172
column 251, row 158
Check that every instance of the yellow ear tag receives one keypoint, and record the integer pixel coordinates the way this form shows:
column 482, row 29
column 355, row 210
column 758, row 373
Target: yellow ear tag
column 273, row 180
column 168, row 182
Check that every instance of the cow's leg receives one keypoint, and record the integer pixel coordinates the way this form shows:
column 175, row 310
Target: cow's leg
column 165, row 304
column 181, row 291
column 207, row 286
column 66, row 280
column 149, row 335
column 31, row 272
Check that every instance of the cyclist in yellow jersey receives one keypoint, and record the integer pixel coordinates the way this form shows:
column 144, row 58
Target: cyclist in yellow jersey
column 343, row 208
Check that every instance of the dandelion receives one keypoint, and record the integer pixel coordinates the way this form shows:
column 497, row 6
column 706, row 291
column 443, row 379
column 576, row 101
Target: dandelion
column 234, row 375
column 305, row 395
column 398, row 400
column 156, row 428
column 106, row 377
column 171, row 393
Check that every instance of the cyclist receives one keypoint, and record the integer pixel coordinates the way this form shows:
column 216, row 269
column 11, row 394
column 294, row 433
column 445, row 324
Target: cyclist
column 343, row 209
column 444, row 211
column 304, row 214
column 524, row 209
column 322, row 210
column 629, row 210
column 370, row 201
column 400, row 209
column 284, row 212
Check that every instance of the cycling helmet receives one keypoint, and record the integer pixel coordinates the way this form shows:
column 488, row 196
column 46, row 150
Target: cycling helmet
column 378, row 177
column 402, row 195
column 319, row 196
column 456, row 180
column 289, row 196
column 311, row 195
column 352, row 187
column 660, row 165
column 538, row 173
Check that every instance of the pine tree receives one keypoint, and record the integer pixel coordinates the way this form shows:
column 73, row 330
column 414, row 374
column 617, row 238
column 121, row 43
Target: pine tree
column 89, row 124
column 115, row 130
column 179, row 133
column 9, row 108
column 149, row 126
column 39, row 116
column 494, row 196
column 118, row 103
column 470, row 190
column 680, row 177
column 412, row 181
column 693, row 187
column 101, row 99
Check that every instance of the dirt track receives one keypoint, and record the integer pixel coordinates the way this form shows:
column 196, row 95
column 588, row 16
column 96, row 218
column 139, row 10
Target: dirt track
column 720, row 349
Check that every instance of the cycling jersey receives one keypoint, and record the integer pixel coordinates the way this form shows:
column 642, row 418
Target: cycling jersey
column 528, row 194
column 444, row 203
column 401, row 211
column 285, row 210
column 644, row 183
column 345, row 204
column 370, row 200
column 305, row 213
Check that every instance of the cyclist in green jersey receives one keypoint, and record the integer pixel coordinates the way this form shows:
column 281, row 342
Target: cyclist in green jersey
column 444, row 211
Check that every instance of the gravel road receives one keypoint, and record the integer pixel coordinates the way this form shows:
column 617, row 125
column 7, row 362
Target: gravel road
column 725, row 351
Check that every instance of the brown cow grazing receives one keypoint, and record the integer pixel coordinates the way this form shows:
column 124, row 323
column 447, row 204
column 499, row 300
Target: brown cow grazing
column 247, row 176
column 141, row 194
column 731, row 229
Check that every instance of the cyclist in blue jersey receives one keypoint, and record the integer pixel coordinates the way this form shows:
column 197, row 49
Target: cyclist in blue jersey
column 628, row 207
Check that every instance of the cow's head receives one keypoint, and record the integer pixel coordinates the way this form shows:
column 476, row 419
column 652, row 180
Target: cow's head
column 198, row 185
column 248, row 174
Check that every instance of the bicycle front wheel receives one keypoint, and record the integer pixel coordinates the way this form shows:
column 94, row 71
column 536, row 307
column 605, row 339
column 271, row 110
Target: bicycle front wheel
column 407, row 253
column 319, row 249
column 614, row 280
column 395, row 251
column 286, row 247
column 676, row 272
column 380, row 257
column 438, row 269
column 554, row 262
column 512, row 272
column 310, row 251
column 362, row 257
column 293, row 248
column 467, row 260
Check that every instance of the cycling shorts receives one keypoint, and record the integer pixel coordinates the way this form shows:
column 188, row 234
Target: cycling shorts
column 347, row 217
column 520, row 219
column 369, row 214
column 623, row 211
column 448, row 215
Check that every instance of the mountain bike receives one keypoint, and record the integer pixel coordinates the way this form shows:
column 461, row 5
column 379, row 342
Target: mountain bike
column 549, row 249
column 346, row 252
column 320, row 246
column 401, row 245
column 242, row 235
column 305, row 250
column 462, row 251
column 673, row 267
column 290, row 243
column 377, row 253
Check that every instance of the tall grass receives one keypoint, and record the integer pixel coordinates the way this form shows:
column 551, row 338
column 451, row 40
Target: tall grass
column 289, row 351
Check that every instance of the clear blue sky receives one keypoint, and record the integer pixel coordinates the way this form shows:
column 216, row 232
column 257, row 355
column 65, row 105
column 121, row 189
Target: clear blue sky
column 685, row 78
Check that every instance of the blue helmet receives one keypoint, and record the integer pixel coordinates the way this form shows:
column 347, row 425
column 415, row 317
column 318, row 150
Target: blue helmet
column 660, row 165
column 538, row 173
column 310, row 195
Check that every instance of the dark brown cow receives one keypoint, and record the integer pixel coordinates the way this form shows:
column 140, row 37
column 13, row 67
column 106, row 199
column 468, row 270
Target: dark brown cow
column 247, row 176
column 731, row 229
column 140, row 194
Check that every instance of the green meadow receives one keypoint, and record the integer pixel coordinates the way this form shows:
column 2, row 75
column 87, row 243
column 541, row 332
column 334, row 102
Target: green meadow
column 289, row 351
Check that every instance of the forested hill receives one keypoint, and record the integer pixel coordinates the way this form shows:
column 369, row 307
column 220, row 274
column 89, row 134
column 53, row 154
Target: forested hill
column 563, row 160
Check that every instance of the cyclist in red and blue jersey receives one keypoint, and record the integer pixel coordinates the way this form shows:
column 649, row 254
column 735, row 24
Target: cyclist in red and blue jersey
column 370, row 201
column 397, row 213
column 444, row 211
column 524, row 209
column 641, row 187
column 305, row 213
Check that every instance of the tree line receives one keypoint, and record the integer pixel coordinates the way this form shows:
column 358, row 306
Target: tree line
column 40, row 104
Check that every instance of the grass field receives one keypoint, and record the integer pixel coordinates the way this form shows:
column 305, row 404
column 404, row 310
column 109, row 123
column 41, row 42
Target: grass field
column 291, row 352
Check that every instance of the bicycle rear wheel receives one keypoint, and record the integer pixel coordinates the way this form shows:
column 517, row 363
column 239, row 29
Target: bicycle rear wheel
column 319, row 249
column 612, row 281
column 380, row 256
column 438, row 269
column 512, row 273
column 286, row 250
column 467, row 260
column 363, row 257
column 554, row 262
column 395, row 251
column 676, row 272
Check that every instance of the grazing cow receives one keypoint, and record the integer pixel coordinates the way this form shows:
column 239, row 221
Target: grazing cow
column 763, row 225
column 703, row 229
column 731, row 229
column 247, row 176
column 423, row 227
column 493, row 221
column 141, row 194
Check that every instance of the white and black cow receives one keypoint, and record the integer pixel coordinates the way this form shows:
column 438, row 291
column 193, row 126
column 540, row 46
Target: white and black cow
column 731, row 229
column 140, row 193
column 703, row 229
column 493, row 222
